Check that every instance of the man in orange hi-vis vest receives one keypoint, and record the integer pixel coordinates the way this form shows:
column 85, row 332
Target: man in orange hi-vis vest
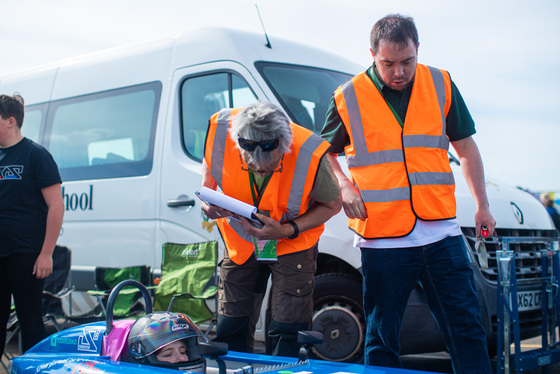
column 257, row 156
column 394, row 122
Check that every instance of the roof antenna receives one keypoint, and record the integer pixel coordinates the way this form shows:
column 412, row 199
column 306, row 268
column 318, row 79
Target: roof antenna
column 266, row 36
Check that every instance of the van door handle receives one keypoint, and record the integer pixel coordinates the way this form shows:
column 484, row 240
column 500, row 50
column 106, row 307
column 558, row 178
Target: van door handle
column 181, row 201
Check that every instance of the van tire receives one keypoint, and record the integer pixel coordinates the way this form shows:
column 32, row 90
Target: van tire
column 338, row 314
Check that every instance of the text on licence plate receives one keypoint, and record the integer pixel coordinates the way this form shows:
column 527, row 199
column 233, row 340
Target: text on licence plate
column 529, row 300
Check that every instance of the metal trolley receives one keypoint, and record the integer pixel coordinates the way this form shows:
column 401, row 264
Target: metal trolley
column 508, row 307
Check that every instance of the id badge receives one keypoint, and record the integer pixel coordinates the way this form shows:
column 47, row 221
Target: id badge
column 265, row 250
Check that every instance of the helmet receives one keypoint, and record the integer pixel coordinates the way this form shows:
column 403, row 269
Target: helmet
column 156, row 330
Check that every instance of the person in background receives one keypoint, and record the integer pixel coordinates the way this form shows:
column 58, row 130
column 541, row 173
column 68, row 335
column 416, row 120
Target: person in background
column 31, row 212
column 395, row 122
column 257, row 156
column 548, row 203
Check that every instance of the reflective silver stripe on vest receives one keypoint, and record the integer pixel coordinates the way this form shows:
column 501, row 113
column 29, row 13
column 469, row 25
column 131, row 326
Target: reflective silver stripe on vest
column 374, row 158
column 439, row 84
column 218, row 149
column 425, row 178
column 384, row 196
column 441, row 141
column 219, row 145
column 237, row 226
column 430, row 141
column 355, row 118
column 300, row 175
column 363, row 157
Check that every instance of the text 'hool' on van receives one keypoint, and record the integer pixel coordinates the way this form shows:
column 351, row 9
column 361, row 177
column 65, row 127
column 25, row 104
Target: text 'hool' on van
column 127, row 129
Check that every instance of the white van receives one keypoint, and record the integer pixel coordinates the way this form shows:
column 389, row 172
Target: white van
column 127, row 129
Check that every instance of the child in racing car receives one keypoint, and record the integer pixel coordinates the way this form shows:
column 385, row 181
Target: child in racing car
column 166, row 339
column 173, row 353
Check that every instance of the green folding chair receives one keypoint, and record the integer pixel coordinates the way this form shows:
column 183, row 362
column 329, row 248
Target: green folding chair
column 189, row 280
column 128, row 301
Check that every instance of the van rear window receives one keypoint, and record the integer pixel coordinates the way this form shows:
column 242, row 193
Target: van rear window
column 104, row 135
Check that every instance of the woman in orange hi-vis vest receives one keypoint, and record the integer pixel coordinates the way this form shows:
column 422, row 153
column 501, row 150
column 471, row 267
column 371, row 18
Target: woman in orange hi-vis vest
column 394, row 123
column 257, row 156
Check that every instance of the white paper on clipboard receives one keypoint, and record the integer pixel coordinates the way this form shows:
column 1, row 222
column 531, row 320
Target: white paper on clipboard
column 227, row 202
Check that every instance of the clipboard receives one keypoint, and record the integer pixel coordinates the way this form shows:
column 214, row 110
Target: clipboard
column 239, row 207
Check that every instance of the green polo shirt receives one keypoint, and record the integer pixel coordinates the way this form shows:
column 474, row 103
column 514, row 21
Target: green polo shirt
column 459, row 123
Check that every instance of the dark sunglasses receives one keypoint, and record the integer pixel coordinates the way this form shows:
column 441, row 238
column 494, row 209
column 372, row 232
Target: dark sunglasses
column 251, row 145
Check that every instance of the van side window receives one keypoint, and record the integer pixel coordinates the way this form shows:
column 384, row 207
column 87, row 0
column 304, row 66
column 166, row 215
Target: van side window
column 104, row 135
column 204, row 95
column 34, row 116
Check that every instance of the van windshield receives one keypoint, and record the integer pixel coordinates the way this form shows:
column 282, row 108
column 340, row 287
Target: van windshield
column 304, row 92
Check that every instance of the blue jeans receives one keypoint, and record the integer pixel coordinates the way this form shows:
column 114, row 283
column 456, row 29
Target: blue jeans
column 443, row 270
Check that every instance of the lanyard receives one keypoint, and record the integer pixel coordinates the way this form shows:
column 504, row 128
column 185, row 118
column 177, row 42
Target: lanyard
column 388, row 103
column 256, row 192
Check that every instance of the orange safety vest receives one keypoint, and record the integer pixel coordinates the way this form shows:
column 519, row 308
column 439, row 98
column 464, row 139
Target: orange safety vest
column 286, row 195
column 402, row 173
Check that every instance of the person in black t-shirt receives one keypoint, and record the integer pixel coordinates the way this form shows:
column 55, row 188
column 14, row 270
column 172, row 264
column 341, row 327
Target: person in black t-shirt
column 31, row 212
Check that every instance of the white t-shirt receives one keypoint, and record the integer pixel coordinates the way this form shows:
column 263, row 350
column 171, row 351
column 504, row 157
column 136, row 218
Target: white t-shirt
column 424, row 233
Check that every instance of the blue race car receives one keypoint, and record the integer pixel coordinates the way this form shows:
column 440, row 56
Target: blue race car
column 163, row 342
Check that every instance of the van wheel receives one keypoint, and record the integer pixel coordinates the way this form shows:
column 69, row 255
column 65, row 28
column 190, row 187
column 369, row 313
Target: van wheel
column 338, row 314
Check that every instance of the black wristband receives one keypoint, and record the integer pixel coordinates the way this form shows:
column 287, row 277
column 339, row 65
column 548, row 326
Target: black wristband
column 296, row 229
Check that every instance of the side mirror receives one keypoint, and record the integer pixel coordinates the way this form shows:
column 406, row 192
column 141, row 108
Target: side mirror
column 307, row 339
column 213, row 349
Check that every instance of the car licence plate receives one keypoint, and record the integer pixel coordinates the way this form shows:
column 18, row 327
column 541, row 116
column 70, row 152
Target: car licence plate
column 529, row 300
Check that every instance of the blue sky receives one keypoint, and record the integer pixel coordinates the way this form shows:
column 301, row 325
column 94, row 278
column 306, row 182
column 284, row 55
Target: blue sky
column 503, row 55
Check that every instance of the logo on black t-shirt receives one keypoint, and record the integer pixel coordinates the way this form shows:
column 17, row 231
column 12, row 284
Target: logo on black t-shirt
column 13, row 172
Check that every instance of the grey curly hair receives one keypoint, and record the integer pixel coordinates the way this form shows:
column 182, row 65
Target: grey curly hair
column 261, row 121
